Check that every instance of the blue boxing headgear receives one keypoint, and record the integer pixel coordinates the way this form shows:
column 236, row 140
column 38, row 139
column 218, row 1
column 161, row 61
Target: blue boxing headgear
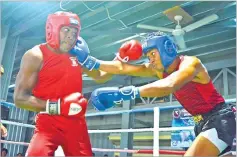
column 166, row 47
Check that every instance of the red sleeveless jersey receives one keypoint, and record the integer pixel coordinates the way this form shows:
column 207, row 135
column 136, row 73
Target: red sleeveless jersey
column 60, row 75
column 198, row 98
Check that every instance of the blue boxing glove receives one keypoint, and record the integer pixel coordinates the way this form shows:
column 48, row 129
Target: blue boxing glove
column 81, row 51
column 107, row 97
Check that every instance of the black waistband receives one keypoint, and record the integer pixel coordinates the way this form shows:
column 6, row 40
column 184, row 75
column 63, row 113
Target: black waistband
column 214, row 110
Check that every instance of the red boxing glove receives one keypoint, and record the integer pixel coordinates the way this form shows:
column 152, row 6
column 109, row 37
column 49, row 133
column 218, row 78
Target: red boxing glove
column 131, row 50
column 72, row 105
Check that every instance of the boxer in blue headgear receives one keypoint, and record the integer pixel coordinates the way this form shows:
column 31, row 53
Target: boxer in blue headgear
column 183, row 76
column 165, row 46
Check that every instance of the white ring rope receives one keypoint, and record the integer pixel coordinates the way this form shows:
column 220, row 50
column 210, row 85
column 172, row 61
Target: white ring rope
column 114, row 150
column 93, row 149
column 111, row 131
column 142, row 130
column 17, row 124
column 13, row 142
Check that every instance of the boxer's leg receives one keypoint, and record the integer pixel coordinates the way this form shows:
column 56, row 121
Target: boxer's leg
column 202, row 146
column 216, row 135
column 42, row 144
column 46, row 138
column 77, row 141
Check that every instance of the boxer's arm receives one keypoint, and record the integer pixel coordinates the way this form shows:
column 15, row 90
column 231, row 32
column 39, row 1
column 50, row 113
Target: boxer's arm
column 121, row 68
column 98, row 75
column 131, row 50
column 187, row 72
column 118, row 67
column 25, row 82
column 107, row 97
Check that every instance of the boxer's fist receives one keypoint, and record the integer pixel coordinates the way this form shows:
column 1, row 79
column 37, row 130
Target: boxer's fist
column 81, row 51
column 107, row 97
column 131, row 50
column 72, row 105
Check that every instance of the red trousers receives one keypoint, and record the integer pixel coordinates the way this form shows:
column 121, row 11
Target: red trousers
column 52, row 131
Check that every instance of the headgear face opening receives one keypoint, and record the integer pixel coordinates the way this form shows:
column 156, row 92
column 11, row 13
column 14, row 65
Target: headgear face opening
column 55, row 22
column 164, row 45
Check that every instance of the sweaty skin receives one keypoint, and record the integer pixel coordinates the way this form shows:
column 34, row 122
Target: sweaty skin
column 31, row 64
column 201, row 146
column 26, row 80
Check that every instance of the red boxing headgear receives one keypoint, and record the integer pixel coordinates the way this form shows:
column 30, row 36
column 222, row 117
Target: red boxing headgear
column 55, row 22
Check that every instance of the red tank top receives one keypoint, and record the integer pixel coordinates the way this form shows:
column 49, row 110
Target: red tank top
column 60, row 75
column 197, row 98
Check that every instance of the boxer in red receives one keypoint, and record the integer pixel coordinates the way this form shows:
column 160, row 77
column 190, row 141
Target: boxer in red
column 50, row 82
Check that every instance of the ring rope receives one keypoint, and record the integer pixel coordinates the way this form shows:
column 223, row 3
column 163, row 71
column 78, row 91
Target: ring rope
column 17, row 124
column 143, row 151
column 142, row 130
column 139, row 151
column 111, row 131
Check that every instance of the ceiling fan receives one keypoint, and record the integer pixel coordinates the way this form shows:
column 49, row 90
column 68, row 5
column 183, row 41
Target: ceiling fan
column 179, row 32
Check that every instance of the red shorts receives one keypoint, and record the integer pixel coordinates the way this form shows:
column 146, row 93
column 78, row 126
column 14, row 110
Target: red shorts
column 52, row 131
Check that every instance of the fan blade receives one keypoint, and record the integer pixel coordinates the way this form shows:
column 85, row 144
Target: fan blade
column 201, row 22
column 163, row 29
column 179, row 39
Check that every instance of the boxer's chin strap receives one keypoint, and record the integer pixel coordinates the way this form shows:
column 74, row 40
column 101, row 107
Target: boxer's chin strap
column 125, row 59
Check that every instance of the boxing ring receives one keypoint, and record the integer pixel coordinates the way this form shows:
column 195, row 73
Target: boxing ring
column 156, row 151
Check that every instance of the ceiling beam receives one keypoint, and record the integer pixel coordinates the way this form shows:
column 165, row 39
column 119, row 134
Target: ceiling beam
column 36, row 20
column 224, row 63
column 113, row 31
column 10, row 12
column 120, row 15
column 190, row 37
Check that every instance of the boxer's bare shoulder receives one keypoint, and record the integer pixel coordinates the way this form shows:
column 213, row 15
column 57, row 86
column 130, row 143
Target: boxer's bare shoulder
column 202, row 75
column 33, row 57
column 35, row 52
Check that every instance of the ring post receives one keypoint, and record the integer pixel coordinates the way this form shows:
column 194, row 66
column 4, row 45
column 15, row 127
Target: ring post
column 156, row 132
